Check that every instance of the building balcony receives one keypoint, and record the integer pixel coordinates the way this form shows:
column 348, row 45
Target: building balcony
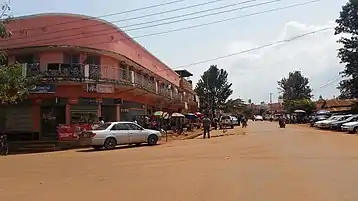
column 82, row 72
column 165, row 92
column 186, row 85
column 69, row 72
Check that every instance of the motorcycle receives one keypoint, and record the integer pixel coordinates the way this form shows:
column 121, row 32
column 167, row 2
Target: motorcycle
column 282, row 123
column 4, row 145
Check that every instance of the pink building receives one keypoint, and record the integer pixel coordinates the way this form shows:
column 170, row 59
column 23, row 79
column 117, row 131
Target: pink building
column 89, row 68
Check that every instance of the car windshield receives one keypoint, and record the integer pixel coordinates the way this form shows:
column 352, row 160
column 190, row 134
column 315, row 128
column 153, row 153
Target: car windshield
column 225, row 117
column 344, row 118
column 322, row 116
column 102, row 126
column 333, row 118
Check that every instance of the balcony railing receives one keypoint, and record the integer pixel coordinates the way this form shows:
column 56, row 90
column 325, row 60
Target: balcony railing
column 65, row 71
column 177, row 97
column 164, row 92
column 81, row 72
column 185, row 84
column 149, row 85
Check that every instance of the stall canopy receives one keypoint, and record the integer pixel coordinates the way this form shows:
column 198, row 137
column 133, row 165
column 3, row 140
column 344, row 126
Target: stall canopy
column 177, row 115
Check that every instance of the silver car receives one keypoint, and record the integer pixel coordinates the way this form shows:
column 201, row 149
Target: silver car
column 111, row 134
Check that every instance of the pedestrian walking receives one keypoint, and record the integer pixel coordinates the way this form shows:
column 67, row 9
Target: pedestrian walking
column 244, row 122
column 206, row 125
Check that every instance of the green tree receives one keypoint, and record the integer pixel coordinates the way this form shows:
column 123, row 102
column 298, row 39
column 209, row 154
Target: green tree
column 14, row 85
column 295, row 87
column 213, row 89
column 303, row 104
column 234, row 105
column 347, row 24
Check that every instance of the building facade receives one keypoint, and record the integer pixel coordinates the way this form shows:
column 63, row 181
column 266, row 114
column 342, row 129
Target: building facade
column 88, row 68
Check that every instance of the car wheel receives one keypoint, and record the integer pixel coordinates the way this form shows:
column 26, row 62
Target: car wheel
column 355, row 130
column 97, row 147
column 152, row 139
column 110, row 143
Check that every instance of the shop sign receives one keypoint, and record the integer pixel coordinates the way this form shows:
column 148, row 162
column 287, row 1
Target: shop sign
column 43, row 89
column 90, row 101
column 100, row 88
column 72, row 132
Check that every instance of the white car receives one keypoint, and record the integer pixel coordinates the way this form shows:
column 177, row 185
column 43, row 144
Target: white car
column 258, row 118
column 111, row 134
column 351, row 127
column 324, row 123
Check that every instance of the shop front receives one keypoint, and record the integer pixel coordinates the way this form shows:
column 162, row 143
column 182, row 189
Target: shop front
column 18, row 121
column 132, row 111
column 85, row 111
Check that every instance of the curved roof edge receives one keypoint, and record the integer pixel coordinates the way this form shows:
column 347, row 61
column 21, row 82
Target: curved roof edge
column 87, row 17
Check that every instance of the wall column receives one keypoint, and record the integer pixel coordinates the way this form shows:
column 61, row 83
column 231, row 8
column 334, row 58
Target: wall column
column 118, row 112
column 99, row 110
column 68, row 113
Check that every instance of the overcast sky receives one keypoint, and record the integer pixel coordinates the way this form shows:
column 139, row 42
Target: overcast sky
column 254, row 74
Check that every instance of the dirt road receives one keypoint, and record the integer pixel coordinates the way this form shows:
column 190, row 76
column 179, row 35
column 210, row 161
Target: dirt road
column 267, row 164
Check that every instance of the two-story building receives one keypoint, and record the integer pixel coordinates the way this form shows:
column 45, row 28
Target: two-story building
column 88, row 68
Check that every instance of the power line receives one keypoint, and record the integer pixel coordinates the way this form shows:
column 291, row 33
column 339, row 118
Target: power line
column 133, row 18
column 112, row 14
column 250, row 50
column 331, row 81
column 149, row 26
column 165, row 32
column 198, row 12
column 255, row 48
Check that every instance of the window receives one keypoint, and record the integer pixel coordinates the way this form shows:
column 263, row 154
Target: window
column 71, row 58
column 134, row 127
column 120, row 127
column 92, row 59
column 103, row 126
column 27, row 58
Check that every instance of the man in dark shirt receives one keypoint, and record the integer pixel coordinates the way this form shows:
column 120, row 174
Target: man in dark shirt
column 206, row 125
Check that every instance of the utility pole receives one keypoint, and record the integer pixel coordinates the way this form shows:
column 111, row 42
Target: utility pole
column 271, row 103
column 209, row 103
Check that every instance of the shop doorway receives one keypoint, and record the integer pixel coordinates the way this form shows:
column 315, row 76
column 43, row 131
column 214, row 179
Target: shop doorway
column 50, row 118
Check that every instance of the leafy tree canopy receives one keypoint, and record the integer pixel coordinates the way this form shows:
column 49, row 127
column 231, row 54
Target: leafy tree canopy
column 213, row 88
column 295, row 87
column 347, row 24
column 235, row 105
column 14, row 85
column 303, row 104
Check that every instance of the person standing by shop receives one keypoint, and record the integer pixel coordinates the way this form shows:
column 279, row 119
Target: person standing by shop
column 100, row 119
column 206, row 125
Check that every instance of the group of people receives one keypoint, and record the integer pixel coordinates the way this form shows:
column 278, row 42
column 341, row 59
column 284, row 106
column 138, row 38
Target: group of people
column 207, row 123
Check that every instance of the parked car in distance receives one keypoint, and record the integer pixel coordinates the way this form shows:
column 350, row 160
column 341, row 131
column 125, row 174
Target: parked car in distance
column 226, row 121
column 258, row 118
column 320, row 124
column 111, row 134
column 350, row 127
column 320, row 117
column 235, row 121
column 336, row 125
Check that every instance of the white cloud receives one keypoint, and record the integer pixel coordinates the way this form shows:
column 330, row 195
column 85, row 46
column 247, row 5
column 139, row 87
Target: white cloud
column 255, row 74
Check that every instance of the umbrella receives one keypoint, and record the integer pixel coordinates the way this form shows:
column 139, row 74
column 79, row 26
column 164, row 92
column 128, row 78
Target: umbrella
column 299, row 111
column 191, row 116
column 198, row 114
column 158, row 113
column 177, row 115
column 166, row 115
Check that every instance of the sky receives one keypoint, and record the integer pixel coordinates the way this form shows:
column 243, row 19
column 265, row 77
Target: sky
column 253, row 74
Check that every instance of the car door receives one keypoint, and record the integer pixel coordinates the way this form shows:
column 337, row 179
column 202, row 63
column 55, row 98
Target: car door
column 121, row 133
column 136, row 133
